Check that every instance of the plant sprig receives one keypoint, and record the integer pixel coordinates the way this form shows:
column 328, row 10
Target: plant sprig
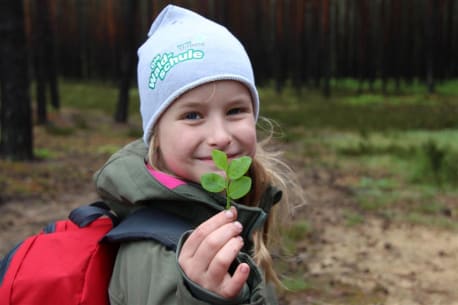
column 235, row 183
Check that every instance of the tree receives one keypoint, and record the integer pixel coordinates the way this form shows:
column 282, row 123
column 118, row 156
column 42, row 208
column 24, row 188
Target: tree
column 38, row 36
column 325, row 46
column 431, row 21
column 16, row 121
column 44, row 59
column 127, row 60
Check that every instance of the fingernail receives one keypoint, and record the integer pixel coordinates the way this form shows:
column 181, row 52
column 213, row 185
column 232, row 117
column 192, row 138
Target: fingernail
column 238, row 225
column 244, row 268
column 229, row 214
column 241, row 240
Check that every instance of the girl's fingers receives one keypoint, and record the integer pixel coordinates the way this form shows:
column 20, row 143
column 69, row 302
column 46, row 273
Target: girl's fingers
column 215, row 242
column 210, row 250
column 222, row 260
column 194, row 241
column 234, row 284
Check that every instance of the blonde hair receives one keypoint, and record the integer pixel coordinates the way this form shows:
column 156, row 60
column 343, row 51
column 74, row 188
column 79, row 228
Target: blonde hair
column 267, row 169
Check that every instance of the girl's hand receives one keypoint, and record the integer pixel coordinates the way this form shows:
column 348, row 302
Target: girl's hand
column 210, row 250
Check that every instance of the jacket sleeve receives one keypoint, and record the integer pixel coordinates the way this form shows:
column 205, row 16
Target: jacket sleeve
column 146, row 273
column 255, row 291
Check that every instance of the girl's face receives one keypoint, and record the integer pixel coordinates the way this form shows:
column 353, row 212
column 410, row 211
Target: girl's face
column 217, row 115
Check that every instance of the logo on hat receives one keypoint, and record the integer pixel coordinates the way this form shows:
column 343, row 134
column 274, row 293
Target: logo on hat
column 163, row 63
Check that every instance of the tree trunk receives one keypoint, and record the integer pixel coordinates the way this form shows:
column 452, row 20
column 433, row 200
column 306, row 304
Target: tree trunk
column 325, row 46
column 280, row 45
column 363, row 28
column 127, row 61
column 430, row 28
column 38, row 37
column 44, row 59
column 346, row 41
column 384, row 46
column 396, row 43
column 16, row 123
column 450, row 34
column 298, row 52
column 50, row 58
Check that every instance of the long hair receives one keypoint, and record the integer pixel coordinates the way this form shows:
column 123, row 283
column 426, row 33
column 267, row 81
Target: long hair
column 267, row 169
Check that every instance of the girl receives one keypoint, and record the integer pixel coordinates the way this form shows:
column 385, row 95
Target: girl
column 197, row 94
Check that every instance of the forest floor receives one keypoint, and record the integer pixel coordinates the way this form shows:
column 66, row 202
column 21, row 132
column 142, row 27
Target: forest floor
column 379, row 261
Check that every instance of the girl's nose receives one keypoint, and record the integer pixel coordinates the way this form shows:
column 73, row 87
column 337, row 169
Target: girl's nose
column 219, row 136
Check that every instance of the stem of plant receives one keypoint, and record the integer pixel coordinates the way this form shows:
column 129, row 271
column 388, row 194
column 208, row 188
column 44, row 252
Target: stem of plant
column 228, row 199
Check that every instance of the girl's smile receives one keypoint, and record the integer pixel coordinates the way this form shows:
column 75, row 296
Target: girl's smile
column 217, row 115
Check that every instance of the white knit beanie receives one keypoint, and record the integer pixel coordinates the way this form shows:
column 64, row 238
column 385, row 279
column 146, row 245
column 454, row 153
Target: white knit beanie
column 185, row 50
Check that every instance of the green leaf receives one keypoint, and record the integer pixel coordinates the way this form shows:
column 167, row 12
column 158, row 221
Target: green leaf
column 238, row 167
column 220, row 159
column 239, row 188
column 213, row 182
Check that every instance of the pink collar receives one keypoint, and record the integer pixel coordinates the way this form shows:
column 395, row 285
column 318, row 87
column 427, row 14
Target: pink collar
column 167, row 180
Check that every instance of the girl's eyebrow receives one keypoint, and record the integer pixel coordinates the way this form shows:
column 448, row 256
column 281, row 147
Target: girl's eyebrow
column 240, row 98
column 191, row 103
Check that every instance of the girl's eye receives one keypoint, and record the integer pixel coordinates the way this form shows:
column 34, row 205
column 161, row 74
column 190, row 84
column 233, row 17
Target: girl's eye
column 192, row 116
column 234, row 111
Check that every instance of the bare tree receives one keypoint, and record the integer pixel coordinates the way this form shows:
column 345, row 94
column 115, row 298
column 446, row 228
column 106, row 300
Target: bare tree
column 325, row 46
column 16, row 122
column 44, row 59
column 127, row 60
column 431, row 21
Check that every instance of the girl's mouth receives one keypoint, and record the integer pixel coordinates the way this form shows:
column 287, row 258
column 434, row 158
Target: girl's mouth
column 209, row 158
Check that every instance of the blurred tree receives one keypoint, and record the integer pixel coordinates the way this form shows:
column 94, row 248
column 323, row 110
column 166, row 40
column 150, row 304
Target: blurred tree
column 16, row 122
column 431, row 24
column 325, row 47
column 44, row 59
column 409, row 54
column 384, row 45
column 279, row 60
column 396, row 46
column 450, row 37
column 69, row 38
column 128, row 43
column 265, row 60
column 303, row 41
column 298, row 52
column 363, row 41
column 314, row 42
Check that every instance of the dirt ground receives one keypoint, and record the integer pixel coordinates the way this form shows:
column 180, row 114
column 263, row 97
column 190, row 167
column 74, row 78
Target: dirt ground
column 376, row 262
column 391, row 263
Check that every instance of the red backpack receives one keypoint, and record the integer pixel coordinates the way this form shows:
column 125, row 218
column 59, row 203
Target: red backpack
column 70, row 261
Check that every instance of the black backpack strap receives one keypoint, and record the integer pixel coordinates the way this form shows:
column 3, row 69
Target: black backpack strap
column 85, row 215
column 149, row 223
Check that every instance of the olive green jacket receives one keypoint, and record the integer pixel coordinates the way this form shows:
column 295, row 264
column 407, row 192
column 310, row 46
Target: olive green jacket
column 146, row 272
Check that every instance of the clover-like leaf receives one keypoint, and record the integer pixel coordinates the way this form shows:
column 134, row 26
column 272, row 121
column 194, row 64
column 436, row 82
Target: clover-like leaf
column 238, row 167
column 239, row 188
column 233, row 182
column 213, row 182
column 220, row 159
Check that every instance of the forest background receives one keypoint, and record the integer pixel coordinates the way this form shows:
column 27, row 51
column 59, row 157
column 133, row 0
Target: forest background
column 365, row 93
